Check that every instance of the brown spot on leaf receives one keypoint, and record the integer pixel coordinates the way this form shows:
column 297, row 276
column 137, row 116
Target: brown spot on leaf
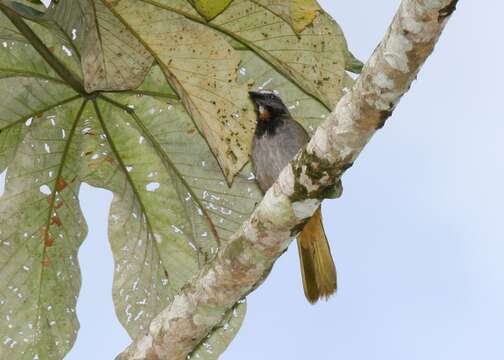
column 61, row 184
column 49, row 241
column 55, row 220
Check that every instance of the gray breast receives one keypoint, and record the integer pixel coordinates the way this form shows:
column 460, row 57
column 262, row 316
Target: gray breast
column 272, row 152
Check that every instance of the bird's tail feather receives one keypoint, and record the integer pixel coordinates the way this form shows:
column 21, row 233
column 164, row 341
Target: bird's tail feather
column 317, row 265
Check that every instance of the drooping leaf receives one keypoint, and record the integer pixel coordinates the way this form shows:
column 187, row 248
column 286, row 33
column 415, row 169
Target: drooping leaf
column 111, row 57
column 210, row 8
column 201, row 66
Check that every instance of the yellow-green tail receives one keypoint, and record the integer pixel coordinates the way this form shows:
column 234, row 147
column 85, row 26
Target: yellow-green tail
column 317, row 265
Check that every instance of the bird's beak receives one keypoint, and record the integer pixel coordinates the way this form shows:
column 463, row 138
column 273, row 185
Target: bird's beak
column 254, row 95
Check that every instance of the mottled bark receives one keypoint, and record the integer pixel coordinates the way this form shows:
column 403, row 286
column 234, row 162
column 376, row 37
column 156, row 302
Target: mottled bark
column 243, row 263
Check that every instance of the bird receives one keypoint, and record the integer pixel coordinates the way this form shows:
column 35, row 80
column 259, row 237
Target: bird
column 277, row 139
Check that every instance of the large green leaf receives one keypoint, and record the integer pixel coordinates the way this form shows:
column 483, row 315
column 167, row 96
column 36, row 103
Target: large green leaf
column 51, row 142
column 28, row 87
column 41, row 230
column 172, row 206
column 41, row 225
column 167, row 148
column 37, row 253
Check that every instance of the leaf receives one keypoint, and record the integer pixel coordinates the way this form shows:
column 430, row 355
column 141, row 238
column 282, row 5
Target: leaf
column 157, row 147
column 112, row 58
column 106, row 157
column 315, row 61
column 47, row 32
column 172, row 206
column 34, row 4
column 353, row 64
column 298, row 13
column 210, row 8
column 26, row 11
column 303, row 12
column 155, row 85
column 215, row 344
column 201, row 67
column 41, row 228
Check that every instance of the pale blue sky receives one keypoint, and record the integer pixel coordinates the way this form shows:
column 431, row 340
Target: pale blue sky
column 417, row 236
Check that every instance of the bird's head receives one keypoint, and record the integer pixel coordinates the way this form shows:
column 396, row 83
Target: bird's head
column 268, row 105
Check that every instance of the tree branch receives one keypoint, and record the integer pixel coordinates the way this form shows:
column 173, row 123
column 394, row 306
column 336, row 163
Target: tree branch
column 245, row 261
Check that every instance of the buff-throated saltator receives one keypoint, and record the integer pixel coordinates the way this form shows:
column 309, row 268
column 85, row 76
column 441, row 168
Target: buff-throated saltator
column 277, row 139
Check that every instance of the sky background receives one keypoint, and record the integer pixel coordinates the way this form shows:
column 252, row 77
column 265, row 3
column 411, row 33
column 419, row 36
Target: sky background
column 417, row 236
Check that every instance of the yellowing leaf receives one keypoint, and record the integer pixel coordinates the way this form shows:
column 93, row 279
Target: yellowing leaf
column 210, row 8
column 315, row 61
column 302, row 13
column 201, row 66
column 298, row 13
